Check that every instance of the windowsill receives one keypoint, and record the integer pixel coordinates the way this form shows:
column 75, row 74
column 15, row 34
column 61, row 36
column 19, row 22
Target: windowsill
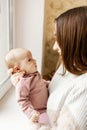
column 11, row 117
column 4, row 87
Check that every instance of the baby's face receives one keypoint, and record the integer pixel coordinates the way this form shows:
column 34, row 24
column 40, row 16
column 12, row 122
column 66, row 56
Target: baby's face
column 28, row 64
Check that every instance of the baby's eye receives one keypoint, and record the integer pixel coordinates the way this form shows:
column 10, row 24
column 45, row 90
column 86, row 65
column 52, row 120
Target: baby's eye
column 29, row 60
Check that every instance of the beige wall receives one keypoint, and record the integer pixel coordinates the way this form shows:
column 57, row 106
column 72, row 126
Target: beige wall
column 52, row 9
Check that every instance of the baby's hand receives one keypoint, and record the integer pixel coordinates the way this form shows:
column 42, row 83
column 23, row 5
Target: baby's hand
column 16, row 77
column 35, row 117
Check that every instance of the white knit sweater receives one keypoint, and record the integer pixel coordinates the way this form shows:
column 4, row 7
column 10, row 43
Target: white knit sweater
column 67, row 103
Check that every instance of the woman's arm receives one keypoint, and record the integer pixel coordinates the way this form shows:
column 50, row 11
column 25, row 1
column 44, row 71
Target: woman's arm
column 73, row 115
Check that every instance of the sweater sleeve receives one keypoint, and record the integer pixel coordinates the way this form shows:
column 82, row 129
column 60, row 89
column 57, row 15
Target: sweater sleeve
column 73, row 115
column 23, row 92
column 76, row 103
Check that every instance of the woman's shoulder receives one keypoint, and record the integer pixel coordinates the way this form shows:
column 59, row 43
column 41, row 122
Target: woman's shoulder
column 76, row 100
column 78, row 88
column 81, row 81
column 66, row 80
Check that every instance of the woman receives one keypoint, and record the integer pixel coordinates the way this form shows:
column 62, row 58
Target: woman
column 67, row 103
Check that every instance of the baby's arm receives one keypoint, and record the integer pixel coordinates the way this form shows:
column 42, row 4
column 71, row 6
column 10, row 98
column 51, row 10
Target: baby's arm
column 23, row 99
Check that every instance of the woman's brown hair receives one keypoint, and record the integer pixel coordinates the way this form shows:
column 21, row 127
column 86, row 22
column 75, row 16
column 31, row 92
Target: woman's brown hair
column 72, row 39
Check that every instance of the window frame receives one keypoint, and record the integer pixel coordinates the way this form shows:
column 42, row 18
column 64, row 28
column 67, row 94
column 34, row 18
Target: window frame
column 5, row 85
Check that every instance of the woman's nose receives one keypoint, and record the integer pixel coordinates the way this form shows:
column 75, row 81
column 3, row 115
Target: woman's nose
column 55, row 46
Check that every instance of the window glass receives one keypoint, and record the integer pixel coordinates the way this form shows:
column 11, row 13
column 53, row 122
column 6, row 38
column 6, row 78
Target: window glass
column 5, row 36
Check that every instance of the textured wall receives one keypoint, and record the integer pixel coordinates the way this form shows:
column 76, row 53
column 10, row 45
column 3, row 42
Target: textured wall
column 52, row 9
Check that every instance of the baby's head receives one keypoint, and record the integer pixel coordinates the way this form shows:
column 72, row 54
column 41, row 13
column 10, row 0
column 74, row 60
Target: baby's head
column 20, row 59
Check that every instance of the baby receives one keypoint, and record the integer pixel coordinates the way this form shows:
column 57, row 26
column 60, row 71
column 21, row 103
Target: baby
column 31, row 89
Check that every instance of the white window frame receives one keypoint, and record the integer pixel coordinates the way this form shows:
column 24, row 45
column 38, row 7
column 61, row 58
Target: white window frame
column 5, row 84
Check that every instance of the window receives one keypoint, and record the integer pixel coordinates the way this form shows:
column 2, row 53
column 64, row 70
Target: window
column 6, row 37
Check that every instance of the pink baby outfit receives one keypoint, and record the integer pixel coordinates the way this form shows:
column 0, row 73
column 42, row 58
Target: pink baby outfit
column 32, row 94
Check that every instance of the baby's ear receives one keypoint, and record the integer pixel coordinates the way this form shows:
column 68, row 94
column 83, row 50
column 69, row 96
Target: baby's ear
column 16, row 69
column 13, row 70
